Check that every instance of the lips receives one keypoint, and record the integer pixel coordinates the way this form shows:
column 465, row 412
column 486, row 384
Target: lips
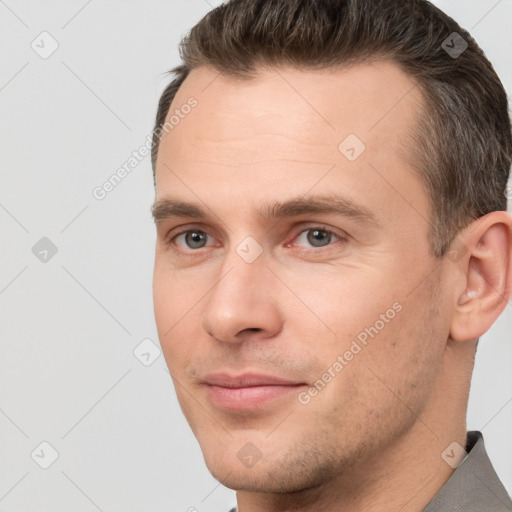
column 246, row 380
column 247, row 391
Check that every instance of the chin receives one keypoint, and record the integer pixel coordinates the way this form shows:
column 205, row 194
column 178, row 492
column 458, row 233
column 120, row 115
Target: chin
column 225, row 466
column 251, row 480
column 268, row 475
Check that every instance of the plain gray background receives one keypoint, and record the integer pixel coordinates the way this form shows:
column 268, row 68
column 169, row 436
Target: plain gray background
column 70, row 323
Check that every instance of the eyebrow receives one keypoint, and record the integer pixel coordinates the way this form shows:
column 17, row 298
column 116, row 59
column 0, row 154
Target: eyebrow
column 317, row 204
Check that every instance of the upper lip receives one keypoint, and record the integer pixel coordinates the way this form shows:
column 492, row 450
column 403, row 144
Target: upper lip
column 246, row 380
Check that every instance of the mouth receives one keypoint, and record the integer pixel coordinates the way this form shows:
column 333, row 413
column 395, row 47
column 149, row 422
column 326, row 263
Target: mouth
column 248, row 391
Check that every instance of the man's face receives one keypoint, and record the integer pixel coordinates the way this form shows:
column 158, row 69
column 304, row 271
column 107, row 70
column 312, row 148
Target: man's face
column 346, row 305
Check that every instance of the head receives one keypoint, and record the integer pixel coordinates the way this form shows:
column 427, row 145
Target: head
column 331, row 209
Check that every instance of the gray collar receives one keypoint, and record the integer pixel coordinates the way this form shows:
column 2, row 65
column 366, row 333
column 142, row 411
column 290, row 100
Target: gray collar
column 474, row 485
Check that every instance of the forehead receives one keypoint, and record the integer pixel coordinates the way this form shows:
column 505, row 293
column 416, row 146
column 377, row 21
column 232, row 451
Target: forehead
column 280, row 132
column 366, row 99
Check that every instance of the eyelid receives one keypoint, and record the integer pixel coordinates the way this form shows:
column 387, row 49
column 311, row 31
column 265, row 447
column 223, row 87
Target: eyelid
column 303, row 226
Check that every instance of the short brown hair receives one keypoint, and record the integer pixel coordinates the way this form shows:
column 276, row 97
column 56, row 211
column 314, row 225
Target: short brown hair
column 462, row 144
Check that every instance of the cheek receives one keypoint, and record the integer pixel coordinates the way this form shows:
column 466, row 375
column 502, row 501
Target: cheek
column 173, row 300
column 175, row 293
column 162, row 302
column 405, row 358
column 341, row 302
column 389, row 340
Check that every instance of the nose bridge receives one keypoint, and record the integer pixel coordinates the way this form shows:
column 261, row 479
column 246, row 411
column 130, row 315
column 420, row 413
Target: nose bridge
column 241, row 297
column 244, row 266
column 242, row 278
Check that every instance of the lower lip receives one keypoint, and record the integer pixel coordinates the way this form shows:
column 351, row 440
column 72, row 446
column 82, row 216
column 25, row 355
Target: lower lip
column 247, row 398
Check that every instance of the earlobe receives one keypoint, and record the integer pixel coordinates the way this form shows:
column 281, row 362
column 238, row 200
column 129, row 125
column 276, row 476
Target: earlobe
column 487, row 274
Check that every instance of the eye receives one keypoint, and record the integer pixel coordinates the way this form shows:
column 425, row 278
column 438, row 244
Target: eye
column 317, row 236
column 193, row 238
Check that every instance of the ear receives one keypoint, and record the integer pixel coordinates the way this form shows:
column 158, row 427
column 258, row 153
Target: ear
column 483, row 253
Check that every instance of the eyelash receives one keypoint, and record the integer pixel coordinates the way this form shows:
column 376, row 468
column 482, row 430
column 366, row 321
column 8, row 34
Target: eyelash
column 312, row 227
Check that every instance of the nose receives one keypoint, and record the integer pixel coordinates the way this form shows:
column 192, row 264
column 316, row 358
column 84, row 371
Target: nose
column 244, row 302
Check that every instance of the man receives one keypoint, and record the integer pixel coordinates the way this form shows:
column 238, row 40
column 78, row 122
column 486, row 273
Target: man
column 332, row 241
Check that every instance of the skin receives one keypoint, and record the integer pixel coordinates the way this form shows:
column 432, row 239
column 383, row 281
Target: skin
column 372, row 438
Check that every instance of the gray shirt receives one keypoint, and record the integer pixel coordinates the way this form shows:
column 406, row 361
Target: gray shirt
column 473, row 487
